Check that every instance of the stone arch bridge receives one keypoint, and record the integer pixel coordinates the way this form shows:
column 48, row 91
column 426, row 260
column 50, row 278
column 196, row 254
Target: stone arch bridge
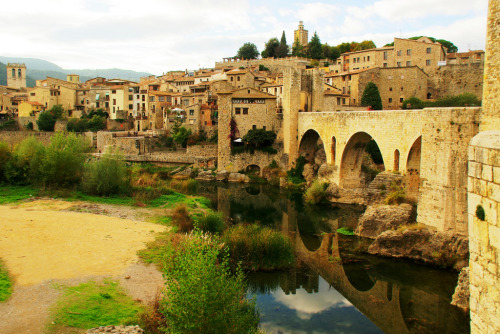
column 429, row 144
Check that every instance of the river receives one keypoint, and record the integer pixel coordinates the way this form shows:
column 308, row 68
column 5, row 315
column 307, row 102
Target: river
column 336, row 287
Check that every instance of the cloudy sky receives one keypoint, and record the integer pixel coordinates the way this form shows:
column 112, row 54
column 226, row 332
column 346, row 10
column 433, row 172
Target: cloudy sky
column 161, row 35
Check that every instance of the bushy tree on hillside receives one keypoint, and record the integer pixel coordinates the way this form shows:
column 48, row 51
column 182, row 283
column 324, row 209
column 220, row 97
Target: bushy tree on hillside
column 270, row 48
column 46, row 121
column 248, row 51
column 314, row 47
column 298, row 49
column 371, row 97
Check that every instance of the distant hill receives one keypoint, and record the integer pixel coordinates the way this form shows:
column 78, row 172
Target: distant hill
column 38, row 69
column 30, row 82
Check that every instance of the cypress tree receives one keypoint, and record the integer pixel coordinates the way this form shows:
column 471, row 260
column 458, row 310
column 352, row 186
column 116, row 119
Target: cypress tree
column 371, row 97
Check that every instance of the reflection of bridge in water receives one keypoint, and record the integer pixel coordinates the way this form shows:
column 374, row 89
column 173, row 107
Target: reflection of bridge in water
column 384, row 295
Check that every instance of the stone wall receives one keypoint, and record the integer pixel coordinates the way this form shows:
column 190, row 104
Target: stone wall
column 484, row 232
column 12, row 138
column 456, row 79
column 491, row 94
column 112, row 124
column 203, row 150
column 240, row 162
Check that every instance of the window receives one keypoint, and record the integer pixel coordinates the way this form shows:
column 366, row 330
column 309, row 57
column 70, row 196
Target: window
column 151, row 99
column 113, row 92
column 19, row 73
column 402, row 89
column 408, row 63
column 237, row 111
column 232, row 78
column 400, row 53
column 367, row 58
column 114, row 103
column 343, row 100
column 264, row 128
column 428, row 50
column 13, row 73
column 97, row 104
column 245, row 111
column 238, row 78
column 130, row 97
column 354, row 60
column 169, row 99
column 254, row 127
column 130, row 106
column 385, row 64
column 399, row 64
column 390, row 89
column 338, row 100
column 390, row 100
column 401, row 99
column 191, row 112
column 386, row 55
column 161, row 98
column 428, row 62
column 32, row 94
column 408, row 52
column 106, row 104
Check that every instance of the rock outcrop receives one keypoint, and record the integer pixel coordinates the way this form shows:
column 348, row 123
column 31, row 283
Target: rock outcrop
column 184, row 174
column 205, row 175
column 437, row 248
column 222, row 175
column 332, row 191
column 462, row 294
column 378, row 219
column 239, row 178
column 116, row 330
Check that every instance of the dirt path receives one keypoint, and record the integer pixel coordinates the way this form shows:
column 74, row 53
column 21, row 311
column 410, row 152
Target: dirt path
column 42, row 243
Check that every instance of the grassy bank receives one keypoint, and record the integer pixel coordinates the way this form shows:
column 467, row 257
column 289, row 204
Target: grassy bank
column 5, row 283
column 93, row 304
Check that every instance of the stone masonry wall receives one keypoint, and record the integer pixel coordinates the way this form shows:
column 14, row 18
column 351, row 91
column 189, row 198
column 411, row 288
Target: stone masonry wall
column 491, row 93
column 457, row 79
column 484, row 232
column 12, row 138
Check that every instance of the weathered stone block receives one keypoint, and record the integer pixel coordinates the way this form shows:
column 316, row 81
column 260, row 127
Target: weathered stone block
column 496, row 175
column 475, row 169
column 494, row 233
column 487, row 173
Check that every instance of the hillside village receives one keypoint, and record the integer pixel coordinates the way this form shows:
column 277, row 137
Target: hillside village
column 409, row 68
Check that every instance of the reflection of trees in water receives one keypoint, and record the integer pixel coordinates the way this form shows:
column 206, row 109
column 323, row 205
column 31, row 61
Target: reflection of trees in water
column 289, row 281
column 250, row 213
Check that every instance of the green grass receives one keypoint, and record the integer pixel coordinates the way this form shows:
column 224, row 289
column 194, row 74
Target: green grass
column 171, row 200
column 12, row 194
column 5, row 283
column 116, row 200
column 94, row 304
column 345, row 231
column 157, row 250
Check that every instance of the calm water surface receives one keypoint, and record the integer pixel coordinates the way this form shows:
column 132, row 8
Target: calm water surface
column 336, row 287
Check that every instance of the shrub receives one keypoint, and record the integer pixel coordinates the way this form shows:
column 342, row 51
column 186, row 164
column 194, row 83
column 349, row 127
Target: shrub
column 316, row 193
column 62, row 162
column 295, row 174
column 181, row 218
column 181, row 136
column 10, row 125
column 29, row 126
column 396, row 196
column 46, row 121
column 202, row 295
column 211, row 222
column 5, row 156
column 413, row 103
column 259, row 138
column 258, row 248
column 461, row 100
column 106, row 176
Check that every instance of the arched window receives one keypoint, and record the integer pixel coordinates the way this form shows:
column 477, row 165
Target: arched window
column 334, row 149
column 19, row 73
column 396, row 160
column 13, row 72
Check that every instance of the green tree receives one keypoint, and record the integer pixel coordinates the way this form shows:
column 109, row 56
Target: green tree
column 202, row 295
column 298, row 49
column 365, row 45
column 259, row 138
column 181, row 136
column 46, row 121
column 57, row 111
column 413, row 103
column 270, row 48
column 371, row 97
column 449, row 45
column 314, row 47
column 283, row 49
column 248, row 51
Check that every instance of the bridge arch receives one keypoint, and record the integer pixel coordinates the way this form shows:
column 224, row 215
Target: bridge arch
column 352, row 161
column 253, row 169
column 412, row 175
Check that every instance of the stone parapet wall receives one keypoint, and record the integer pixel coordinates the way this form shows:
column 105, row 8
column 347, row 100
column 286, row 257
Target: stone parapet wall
column 176, row 157
column 484, row 232
column 241, row 161
column 13, row 138
column 203, row 150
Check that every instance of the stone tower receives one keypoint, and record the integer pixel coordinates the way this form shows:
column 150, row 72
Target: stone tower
column 490, row 119
column 301, row 35
column 16, row 75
